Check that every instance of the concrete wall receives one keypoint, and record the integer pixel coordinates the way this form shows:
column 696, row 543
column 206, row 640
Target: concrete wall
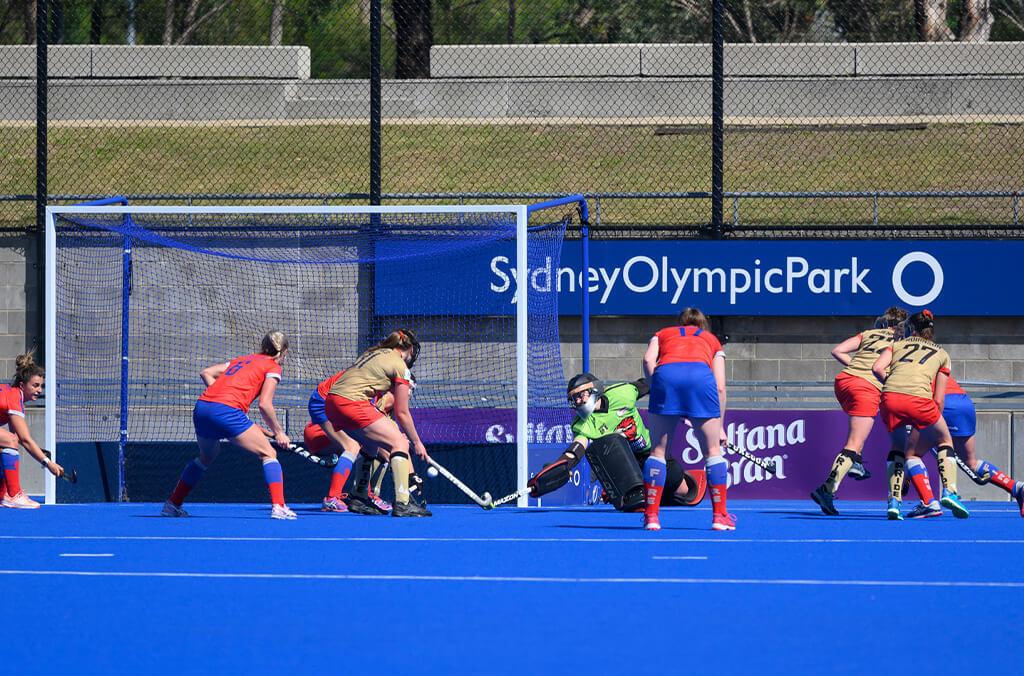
column 511, row 101
column 694, row 60
column 118, row 61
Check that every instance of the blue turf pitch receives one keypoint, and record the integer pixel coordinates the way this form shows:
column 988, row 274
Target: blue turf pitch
column 117, row 589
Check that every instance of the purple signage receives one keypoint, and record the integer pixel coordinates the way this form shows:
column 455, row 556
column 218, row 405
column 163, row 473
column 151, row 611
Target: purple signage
column 802, row 443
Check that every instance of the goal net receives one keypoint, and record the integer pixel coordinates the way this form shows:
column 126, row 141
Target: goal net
column 140, row 299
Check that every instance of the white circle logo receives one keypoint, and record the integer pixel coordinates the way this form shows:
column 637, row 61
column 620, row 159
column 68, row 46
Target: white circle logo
column 937, row 274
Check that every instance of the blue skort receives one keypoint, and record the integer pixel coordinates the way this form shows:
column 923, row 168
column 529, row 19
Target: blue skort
column 686, row 389
column 959, row 414
column 219, row 421
column 317, row 408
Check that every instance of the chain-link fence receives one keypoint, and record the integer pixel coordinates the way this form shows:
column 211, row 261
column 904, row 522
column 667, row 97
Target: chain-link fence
column 840, row 118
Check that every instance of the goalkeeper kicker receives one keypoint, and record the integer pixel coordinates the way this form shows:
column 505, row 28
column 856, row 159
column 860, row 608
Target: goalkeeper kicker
column 609, row 432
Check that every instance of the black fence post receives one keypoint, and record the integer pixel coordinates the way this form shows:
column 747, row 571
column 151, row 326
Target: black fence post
column 717, row 117
column 375, row 101
column 42, row 41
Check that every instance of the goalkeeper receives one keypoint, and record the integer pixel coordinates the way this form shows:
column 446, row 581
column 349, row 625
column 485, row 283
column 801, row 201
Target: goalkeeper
column 608, row 430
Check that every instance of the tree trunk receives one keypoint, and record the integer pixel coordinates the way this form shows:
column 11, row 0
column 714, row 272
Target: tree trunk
column 29, row 22
column 510, row 32
column 277, row 23
column 976, row 21
column 414, row 34
column 168, row 38
column 96, row 22
column 930, row 17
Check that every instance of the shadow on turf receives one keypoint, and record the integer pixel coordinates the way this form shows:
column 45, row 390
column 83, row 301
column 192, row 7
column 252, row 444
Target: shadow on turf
column 818, row 516
column 635, row 527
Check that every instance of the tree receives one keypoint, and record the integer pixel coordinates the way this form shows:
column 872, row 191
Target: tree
column 277, row 23
column 976, row 21
column 191, row 20
column 414, row 35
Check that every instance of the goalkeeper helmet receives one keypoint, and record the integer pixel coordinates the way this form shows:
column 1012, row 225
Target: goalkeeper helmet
column 584, row 399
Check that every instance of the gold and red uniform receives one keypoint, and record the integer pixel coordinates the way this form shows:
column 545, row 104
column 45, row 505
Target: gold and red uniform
column 857, row 389
column 350, row 399
column 907, row 396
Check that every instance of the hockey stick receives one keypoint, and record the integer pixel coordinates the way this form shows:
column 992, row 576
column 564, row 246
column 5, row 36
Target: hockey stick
column 971, row 474
column 763, row 463
column 300, row 450
column 322, row 461
column 69, row 475
column 511, row 497
column 484, row 501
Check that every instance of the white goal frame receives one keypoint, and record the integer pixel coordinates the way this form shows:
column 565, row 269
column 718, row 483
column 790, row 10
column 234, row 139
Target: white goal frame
column 519, row 211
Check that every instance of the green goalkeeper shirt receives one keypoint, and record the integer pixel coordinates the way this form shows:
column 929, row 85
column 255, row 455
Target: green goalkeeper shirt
column 621, row 416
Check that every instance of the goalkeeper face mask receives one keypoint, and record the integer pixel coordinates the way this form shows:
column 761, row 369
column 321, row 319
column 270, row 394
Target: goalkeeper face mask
column 584, row 401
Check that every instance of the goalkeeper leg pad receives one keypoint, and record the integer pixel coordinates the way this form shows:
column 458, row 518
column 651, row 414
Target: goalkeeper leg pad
column 695, row 481
column 612, row 461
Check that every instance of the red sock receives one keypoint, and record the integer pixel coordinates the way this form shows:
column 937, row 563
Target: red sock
column 181, row 491
column 653, row 501
column 276, row 492
column 3, row 486
column 338, row 480
column 923, row 487
column 1003, row 481
column 11, row 474
column 718, row 501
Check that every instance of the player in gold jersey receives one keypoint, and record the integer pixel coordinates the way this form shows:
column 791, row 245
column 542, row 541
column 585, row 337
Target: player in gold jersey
column 859, row 392
column 914, row 372
column 349, row 406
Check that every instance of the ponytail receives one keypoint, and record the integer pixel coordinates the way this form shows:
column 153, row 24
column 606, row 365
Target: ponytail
column 274, row 343
column 26, row 368
column 923, row 324
column 402, row 339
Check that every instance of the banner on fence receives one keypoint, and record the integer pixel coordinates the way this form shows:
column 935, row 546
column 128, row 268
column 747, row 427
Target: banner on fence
column 748, row 277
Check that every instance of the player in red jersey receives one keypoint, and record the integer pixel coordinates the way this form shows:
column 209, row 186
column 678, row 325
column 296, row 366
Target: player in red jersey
column 27, row 384
column 859, row 393
column 961, row 418
column 221, row 413
column 685, row 365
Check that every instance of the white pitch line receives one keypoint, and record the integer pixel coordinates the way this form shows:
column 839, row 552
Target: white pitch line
column 523, row 579
column 680, row 558
column 86, row 556
column 724, row 539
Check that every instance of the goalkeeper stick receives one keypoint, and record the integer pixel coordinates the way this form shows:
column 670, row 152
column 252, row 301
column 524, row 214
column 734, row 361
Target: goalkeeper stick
column 511, row 497
column 763, row 463
column 484, row 501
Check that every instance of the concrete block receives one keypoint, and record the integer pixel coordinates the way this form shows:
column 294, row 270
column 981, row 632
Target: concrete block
column 12, row 296
column 802, row 369
column 987, row 371
column 993, row 444
column 940, row 58
column 279, row 63
column 475, row 61
column 802, row 59
column 778, row 350
column 61, row 61
column 987, row 95
column 816, row 350
column 1006, row 352
column 12, row 251
column 967, row 350
column 740, row 350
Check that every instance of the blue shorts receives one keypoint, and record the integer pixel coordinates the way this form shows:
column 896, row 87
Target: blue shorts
column 686, row 389
column 219, row 421
column 317, row 412
column 959, row 414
